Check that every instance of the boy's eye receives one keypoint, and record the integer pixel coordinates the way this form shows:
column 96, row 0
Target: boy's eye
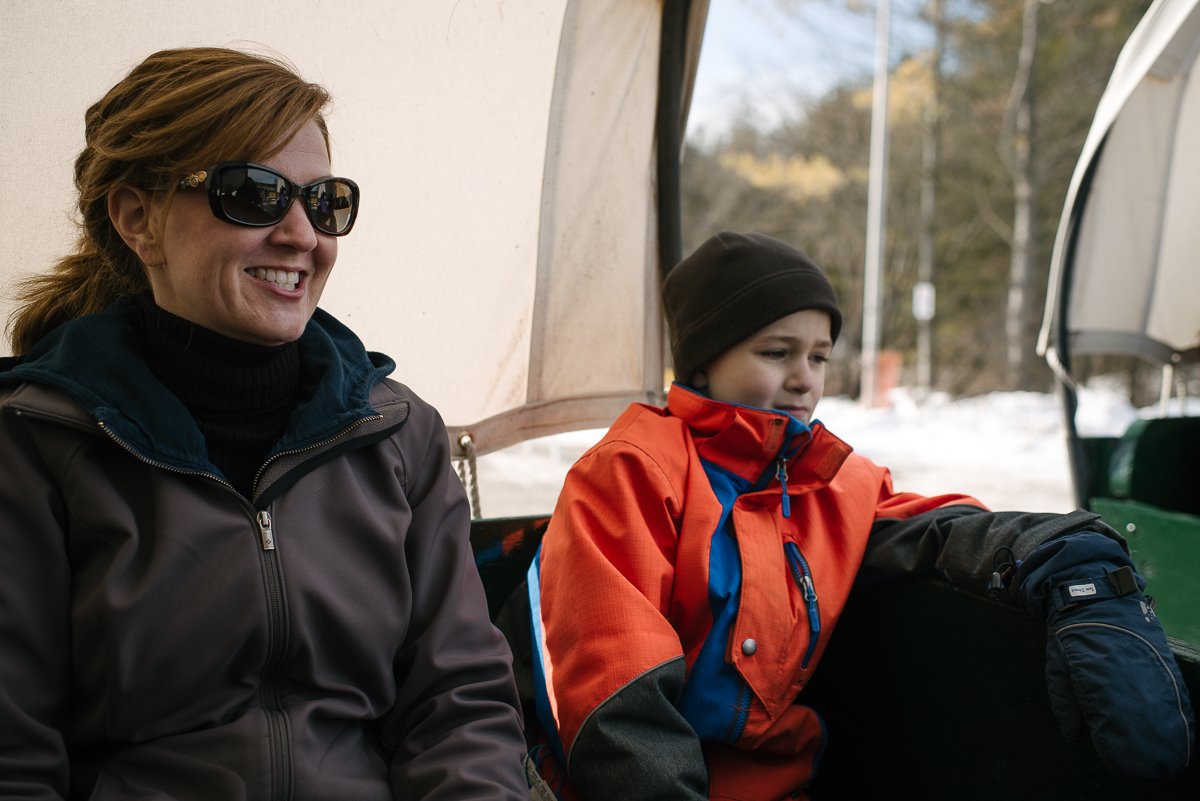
column 774, row 353
column 820, row 358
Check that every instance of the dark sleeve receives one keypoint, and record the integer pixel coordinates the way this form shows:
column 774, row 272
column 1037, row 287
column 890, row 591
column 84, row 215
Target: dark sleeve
column 455, row 726
column 966, row 544
column 34, row 621
column 638, row 732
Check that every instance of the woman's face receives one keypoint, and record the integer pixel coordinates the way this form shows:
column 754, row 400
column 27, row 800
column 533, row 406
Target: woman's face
column 234, row 280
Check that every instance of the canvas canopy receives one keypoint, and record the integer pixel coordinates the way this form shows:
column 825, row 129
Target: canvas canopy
column 508, row 248
column 1124, row 267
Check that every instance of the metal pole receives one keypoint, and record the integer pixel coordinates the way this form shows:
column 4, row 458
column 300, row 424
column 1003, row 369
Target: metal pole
column 876, row 206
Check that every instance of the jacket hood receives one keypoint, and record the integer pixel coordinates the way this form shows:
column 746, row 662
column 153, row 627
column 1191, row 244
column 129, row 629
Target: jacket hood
column 97, row 361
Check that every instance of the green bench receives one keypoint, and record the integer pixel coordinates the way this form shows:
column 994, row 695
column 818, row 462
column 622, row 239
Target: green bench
column 1146, row 484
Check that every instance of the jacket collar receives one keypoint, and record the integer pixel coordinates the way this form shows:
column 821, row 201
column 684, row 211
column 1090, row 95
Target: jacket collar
column 96, row 361
column 748, row 441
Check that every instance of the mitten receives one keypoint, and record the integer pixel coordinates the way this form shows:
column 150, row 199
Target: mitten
column 1108, row 666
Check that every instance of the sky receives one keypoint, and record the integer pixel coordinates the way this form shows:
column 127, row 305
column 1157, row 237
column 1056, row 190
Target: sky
column 759, row 58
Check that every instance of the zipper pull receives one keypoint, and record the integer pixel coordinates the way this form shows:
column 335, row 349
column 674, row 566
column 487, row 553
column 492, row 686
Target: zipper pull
column 814, row 617
column 264, row 531
column 781, row 474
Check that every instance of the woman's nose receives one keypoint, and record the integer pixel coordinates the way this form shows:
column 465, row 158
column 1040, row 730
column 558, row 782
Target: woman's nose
column 295, row 230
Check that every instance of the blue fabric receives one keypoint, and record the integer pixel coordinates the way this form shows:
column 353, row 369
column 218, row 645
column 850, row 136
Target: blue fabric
column 715, row 697
column 1109, row 669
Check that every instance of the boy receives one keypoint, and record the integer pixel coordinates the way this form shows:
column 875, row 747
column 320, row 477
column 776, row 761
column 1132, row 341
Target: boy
column 700, row 555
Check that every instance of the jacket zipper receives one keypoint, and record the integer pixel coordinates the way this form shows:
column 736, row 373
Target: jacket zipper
column 803, row 577
column 272, row 701
column 265, row 532
column 135, row 453
column 781, row 474
column 323, row 443
column 778, row 470
column 743, row 713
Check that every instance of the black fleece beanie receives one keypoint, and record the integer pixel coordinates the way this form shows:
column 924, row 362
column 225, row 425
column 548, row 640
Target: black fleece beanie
column 732, row 286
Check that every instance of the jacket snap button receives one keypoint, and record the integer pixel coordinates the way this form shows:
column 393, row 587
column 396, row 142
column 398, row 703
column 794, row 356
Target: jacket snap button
column 749, row 646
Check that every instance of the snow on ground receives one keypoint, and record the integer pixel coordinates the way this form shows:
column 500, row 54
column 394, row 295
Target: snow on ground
column 1008, row 449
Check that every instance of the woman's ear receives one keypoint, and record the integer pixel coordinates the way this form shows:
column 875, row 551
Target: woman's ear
column 133, row 217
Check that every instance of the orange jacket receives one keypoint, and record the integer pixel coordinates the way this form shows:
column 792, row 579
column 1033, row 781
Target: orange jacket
column 692, row 573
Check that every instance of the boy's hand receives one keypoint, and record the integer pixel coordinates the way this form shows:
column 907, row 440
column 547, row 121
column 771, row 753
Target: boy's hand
column 1108, row 665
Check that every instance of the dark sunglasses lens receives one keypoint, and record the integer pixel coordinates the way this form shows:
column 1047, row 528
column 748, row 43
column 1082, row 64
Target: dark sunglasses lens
column 253, row 196
column 331, row 205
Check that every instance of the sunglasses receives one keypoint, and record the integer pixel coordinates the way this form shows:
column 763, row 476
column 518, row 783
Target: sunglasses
column 245, row 193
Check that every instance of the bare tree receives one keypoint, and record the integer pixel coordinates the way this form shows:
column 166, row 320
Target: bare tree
column 1016, row 149
column 801, row 175
column 928, row 217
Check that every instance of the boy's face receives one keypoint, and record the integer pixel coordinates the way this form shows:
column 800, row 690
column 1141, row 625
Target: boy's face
column 780, row 367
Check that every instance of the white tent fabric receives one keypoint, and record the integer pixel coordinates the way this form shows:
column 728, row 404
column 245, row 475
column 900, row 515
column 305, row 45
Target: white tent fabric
column 506, row 254
column 1124, row 266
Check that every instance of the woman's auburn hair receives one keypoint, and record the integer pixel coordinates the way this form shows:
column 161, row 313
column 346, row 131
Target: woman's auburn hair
column 178, row 111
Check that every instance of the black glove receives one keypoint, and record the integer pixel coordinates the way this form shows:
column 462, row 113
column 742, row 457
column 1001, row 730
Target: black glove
column 1108, row 665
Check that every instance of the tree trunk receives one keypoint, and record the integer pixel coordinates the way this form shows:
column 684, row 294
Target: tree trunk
column 1019, row 129
column 928, row 210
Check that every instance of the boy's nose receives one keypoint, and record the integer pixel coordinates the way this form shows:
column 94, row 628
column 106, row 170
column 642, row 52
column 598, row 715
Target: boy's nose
column 799, row 378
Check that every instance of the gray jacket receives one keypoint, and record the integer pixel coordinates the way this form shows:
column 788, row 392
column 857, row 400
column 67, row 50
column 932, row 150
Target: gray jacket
column 161, row 636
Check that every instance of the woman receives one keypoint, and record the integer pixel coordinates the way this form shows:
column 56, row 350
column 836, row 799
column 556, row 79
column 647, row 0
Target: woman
column 234, row 560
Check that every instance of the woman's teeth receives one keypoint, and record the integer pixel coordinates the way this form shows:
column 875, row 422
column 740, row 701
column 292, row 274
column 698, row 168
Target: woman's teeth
column 284, row 278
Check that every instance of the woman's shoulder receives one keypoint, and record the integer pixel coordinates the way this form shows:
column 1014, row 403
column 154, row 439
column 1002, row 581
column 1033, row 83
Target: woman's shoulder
column 388, row 396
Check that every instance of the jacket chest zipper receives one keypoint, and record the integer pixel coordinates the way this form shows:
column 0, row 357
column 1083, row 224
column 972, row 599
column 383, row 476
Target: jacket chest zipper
column 802, row 575
column 277, row 623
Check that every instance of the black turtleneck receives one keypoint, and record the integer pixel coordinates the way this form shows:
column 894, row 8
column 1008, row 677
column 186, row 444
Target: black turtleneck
column 241, row 395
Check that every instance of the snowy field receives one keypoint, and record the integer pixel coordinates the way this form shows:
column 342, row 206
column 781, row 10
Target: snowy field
column 1008, row 449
